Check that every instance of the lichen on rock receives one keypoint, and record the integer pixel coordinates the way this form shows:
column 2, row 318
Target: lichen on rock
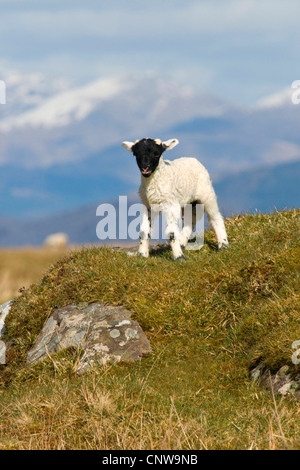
column 280, row 382
column 105, row 333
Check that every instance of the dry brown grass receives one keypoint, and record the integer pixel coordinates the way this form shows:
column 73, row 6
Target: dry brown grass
column 87, row 413
column 21, row 267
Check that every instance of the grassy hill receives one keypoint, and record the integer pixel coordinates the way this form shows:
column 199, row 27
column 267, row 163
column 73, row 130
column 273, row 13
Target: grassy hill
column 209, row 320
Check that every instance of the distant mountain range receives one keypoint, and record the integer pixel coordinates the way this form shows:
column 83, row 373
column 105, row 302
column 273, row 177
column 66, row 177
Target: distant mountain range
column 263, row 190
column 60, row 149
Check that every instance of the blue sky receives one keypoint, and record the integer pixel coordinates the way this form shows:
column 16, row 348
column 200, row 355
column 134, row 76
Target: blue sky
column 241, row 50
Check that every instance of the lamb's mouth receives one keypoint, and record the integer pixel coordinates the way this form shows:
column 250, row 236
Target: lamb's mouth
column 146, row 173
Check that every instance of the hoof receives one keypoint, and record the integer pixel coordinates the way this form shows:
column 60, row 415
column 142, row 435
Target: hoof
column 143, row 255
column 224, row 246
column 180, row 258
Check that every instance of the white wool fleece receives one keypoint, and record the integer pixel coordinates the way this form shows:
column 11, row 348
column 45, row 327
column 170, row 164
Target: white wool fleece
column 181, row 181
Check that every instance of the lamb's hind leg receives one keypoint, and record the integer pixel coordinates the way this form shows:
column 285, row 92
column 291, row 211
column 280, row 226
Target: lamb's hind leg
column 191, row 217
column 216, row 221
column 144, row 233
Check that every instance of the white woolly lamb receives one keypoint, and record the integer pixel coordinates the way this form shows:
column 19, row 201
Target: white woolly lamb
column 171, row 185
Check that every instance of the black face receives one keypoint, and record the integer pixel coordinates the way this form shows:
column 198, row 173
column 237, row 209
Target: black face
column 147, row 153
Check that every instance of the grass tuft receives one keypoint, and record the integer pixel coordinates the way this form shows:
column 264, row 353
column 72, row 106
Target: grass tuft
column 209, row 321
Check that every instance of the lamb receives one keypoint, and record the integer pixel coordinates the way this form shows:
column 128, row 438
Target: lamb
column 171, row 185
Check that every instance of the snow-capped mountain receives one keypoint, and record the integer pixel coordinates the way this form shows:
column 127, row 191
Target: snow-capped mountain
column 60, row 143
column 68, row 125
column 56, row 104
column 62, row 108
column 28, row 91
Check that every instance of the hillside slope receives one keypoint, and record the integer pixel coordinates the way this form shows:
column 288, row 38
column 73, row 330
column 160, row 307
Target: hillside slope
column 209, row 320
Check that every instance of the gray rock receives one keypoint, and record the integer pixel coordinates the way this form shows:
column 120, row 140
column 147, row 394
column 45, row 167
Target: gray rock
column 4, row 311
column 256, row 373
column 2, row 352
column 285, row 389
column 279, row 382
column 105, row 333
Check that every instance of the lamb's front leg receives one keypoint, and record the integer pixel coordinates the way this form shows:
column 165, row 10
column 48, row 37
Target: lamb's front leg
column 173, row 216
column 144, row 234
